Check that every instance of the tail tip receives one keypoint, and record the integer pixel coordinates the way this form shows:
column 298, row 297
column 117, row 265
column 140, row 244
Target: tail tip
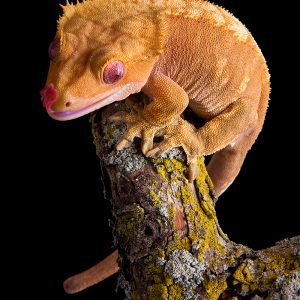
column 70, row 286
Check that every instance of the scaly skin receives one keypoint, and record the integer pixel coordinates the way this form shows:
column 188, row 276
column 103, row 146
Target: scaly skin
column 180, row 53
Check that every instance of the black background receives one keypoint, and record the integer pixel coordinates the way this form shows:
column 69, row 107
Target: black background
column 58, row 206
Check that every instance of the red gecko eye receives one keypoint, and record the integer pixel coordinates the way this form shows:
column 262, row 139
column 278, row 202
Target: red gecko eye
column 113, row 72
column 53, row 49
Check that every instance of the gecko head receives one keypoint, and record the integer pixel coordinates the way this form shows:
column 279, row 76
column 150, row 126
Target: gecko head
column 97, row 57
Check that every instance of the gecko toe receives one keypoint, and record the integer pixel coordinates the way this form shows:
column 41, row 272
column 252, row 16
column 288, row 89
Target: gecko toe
column 147, row 145
column 153, row 152
column 123, row 144
column 122, row 116
column 193, row 170
column 117, row 117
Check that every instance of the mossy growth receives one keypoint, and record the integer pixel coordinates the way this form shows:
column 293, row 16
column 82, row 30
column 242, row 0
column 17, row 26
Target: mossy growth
column 158, row 292
column 255, row 275
column 197, row 205
column 214, row 287
column 179, row 244
column 130, row 226
column 159, row 284
column 200, row 234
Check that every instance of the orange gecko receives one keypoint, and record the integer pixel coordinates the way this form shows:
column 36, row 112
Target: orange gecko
column 180, row 53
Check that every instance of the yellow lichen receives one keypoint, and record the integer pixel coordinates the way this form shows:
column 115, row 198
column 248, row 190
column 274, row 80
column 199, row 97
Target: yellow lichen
column 168, row 280
column 155, row 198
column 134, row 295
column 243, row 274
column 154, row 271
column 161, row 170
column 175, row 292
column 255, row 276
column 179, row 244
column 173, row 165
column 128, row 227
column 171, row 211
column 110, row 132
column 160, row 284
column 199, row 215
column 214, row 288
column 125, row 105
column 201, row 220
column 201, row 180
column 152, row 183
column 157, row 292
column 165, row 166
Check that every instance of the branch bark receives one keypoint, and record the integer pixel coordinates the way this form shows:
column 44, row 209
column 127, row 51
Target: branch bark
column 166, row 230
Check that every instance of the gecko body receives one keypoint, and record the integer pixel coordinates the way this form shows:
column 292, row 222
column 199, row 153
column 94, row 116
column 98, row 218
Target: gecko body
column 179, row 53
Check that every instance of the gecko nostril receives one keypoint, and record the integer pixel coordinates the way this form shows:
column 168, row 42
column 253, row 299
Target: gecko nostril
column 68, row 104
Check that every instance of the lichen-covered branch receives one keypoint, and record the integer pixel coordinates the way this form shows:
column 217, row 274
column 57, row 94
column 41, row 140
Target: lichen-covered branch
column 170, row 243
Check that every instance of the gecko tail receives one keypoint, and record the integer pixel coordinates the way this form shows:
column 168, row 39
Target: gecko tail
column 95, row 274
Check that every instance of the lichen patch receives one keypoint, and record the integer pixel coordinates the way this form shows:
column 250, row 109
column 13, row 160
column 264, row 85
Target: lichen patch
column 185, row 269
column 128, row 160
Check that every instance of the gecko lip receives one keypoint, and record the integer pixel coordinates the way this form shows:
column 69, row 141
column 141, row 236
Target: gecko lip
column 72, row 114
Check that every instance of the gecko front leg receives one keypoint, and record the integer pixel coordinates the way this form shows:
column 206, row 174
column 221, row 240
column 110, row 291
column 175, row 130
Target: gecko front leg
column 162, row 118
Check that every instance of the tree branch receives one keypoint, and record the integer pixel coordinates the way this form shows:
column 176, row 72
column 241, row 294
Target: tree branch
column 167, row 233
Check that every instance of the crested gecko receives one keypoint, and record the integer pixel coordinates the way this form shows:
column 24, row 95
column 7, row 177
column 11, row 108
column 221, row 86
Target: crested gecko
column 180, row 53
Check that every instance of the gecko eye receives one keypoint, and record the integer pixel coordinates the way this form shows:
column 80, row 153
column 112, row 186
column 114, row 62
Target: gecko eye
column 113, row 72
column 53, row 49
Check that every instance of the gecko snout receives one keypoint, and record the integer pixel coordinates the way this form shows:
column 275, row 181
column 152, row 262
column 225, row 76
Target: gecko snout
column 49, row 95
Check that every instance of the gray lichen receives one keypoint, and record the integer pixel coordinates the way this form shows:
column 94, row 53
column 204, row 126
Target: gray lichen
column 116, row 133
column 185, row 269
column 163, row 210
column 124, row 285
column 161, row 199
column 161, row 261
column 128, row 159
column 175, row 153
column 287, row 288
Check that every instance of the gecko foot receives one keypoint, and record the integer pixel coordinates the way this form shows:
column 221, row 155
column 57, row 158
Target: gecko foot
column 182, row 134
column 137, row 126
column 179, row 133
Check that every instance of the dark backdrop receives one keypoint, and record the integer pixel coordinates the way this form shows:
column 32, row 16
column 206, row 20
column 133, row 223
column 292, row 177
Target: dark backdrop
column 57, row 193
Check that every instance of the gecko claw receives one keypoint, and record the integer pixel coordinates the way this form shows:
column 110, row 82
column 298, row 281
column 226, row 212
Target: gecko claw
column 117, row 117
column 123, row 144
column 193, row 170
column 121, row 116
column 155, row 152
column 147, row 145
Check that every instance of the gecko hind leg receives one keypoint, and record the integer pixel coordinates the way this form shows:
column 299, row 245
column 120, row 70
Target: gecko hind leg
column 226, row 164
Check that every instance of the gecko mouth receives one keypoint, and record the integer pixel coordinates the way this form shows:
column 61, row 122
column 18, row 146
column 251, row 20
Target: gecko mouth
column 73, row 114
